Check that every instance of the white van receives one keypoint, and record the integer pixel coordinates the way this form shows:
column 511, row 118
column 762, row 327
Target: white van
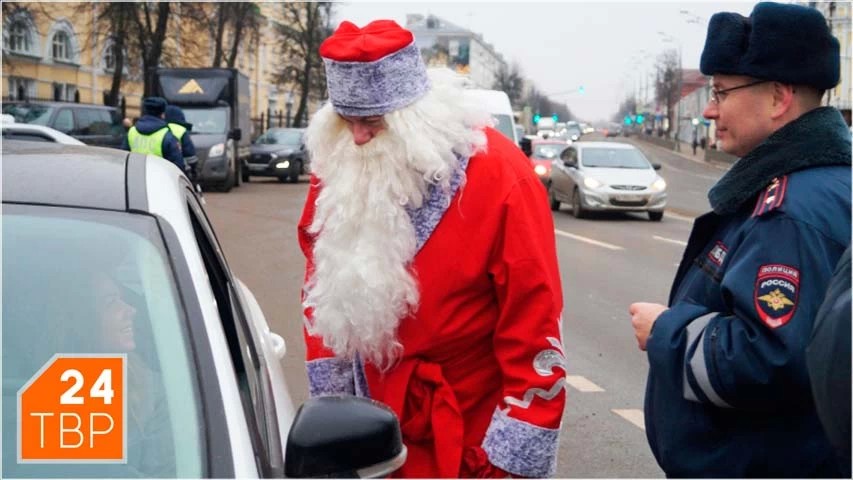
column 497, row 103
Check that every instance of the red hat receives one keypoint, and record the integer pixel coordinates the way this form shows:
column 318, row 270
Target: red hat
column 373, row 70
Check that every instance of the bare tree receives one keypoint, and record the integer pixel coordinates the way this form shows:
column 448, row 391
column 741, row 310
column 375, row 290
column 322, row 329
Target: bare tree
column 667, row 85
column 305, row 26
column 116, row 18
column 511, row 81
column 541, row 104
column 150, row 24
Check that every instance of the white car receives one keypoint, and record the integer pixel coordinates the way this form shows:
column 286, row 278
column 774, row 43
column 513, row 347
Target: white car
column 598, row 176
column 32, row 132
column 111, row 252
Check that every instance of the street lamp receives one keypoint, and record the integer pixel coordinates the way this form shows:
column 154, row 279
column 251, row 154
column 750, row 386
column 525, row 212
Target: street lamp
column 670, row 39
column 288, row 105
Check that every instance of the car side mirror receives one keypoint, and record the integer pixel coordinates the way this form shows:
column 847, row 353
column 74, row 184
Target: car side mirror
column 656, row 166
column 344, row 437
column 236, row 134
column 526, row 146
column 570, row 163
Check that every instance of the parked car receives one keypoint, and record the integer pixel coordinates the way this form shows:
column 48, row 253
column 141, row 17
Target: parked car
column 96, row 125
column 544, row 152
column 279, row 152
column 33, row 133
column 607, row 176
column 124, row 260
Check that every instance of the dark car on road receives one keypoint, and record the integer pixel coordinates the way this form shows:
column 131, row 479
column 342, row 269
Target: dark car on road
column 96, row 125
column 279, row 152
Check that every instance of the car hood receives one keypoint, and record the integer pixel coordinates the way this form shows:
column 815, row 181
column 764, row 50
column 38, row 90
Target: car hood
column 622, row 176
column 274, row 148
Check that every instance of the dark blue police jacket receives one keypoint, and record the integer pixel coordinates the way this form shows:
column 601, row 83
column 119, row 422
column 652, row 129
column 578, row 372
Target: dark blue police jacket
column 728, row 392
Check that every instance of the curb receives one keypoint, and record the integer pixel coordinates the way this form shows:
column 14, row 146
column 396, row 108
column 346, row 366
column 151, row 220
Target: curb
column 719, row 165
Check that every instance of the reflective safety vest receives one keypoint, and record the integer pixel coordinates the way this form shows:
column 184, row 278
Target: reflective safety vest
column 178, row 131
column 149, row 144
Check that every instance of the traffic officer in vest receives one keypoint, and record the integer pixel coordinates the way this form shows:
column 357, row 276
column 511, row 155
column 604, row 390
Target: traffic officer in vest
column 181, row 130
column 152, row 136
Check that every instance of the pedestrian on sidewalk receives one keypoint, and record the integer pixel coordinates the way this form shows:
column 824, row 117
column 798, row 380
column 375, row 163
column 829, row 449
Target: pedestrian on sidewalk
column 432, row 282
column 728, row 393
column 695, row 141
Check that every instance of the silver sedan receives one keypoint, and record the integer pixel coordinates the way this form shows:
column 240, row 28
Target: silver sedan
column 599, row 176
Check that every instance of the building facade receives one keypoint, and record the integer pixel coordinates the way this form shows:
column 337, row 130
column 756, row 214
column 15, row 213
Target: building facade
column 54, row 51
column 444, row 44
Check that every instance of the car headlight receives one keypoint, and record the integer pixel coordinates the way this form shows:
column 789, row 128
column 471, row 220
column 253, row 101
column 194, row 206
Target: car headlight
column 284, row 164
column 217, row 150
column 592, row 183
column 574, row 137
column 659, row 185
column 540, row 170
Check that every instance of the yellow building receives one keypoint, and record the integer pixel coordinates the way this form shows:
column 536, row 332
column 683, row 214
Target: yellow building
column 50, row 52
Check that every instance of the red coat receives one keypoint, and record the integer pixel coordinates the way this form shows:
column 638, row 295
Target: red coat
column 489, row 315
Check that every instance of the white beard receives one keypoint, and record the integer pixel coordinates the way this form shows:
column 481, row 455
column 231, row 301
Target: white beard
column 363, row 284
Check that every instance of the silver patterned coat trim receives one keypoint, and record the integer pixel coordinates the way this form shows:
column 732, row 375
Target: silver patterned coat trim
column 696, row 363
column 521, row 448
column 425, row 219
column 544, row 364
column 375, row 88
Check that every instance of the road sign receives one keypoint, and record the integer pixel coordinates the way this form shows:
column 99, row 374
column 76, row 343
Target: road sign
column 73, row 410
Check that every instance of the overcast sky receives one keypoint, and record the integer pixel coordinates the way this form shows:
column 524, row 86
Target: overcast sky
column 604, row 46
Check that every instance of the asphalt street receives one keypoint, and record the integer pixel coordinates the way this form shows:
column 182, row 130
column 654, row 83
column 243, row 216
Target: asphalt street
column 606, row 263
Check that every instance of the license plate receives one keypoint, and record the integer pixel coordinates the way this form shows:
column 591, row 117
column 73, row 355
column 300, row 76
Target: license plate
column 627, row 198
column 257, row 168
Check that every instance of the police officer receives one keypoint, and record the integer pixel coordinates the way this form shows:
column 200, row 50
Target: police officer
column 152, row 136
column 728, row 392
column 181, row 130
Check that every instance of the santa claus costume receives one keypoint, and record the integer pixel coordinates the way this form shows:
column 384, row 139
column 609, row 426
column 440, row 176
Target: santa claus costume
column 432, row 282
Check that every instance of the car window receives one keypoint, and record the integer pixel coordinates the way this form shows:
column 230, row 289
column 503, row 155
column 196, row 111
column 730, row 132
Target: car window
column 613, row 158
column 29, row 113
column 207, row 121
column 246, row 355
column 92, row 121
column 503, row 124
column 79, row 281
column 64, row 121
column 548, row 150
column 9, row 134
column 280, row 137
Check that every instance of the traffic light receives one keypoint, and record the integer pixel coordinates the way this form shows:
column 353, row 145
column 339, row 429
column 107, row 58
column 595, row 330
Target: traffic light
column 555, row 117
column 640, row 118
column 580, row 90
column 536, row 118
column 628, row 120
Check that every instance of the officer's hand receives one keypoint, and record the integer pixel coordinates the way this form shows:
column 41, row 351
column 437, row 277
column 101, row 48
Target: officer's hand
column 643, row 316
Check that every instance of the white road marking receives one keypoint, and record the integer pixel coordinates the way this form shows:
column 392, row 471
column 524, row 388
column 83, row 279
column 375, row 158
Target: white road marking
column 590, row 241
column 664, row 239
column 582, row 384
column 632, row 415
column 675, row 216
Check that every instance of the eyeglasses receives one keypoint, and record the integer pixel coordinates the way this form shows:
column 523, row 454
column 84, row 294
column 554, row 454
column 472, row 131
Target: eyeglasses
column 717, row 96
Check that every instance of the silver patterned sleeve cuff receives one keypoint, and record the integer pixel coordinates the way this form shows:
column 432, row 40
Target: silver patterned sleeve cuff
column 520, row 447
column 330, row 376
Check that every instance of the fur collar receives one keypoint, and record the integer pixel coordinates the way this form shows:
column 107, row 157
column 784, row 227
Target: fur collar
column 819, row 137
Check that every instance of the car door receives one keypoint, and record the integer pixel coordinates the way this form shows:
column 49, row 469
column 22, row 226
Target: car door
column 249, row 362
column 562, row 175
column 63, row 121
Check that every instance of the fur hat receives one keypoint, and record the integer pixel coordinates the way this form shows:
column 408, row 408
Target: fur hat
column 174, row 114
column 154, row 106
column 373, row 70
column 791, row 44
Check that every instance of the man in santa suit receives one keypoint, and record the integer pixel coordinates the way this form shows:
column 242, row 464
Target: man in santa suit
column 432, row 282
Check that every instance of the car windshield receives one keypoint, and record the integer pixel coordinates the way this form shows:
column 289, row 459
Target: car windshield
column 29, row 113
column 613, row 158
column 503, row 124
column 83, row 282
column 280, row 137
column 548, row 150
column 207, row 121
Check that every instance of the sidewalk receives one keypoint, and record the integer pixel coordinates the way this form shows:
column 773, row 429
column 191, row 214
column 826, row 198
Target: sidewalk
column 687, row 153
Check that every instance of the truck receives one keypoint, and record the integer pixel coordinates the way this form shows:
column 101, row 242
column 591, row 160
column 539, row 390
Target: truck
column 216, row 102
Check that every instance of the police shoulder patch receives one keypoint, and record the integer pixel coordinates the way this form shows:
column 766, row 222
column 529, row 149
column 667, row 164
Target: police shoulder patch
column 771, row 198
column 777, row 289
